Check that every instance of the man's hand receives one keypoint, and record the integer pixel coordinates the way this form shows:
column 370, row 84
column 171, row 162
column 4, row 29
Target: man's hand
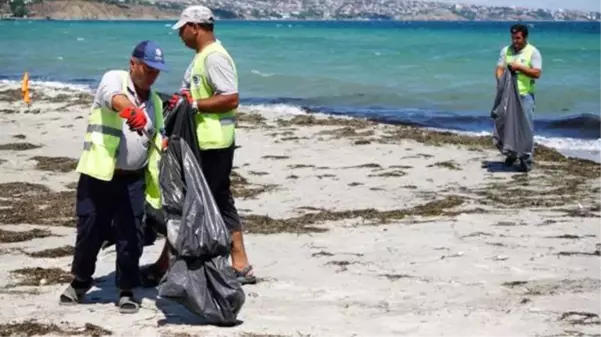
column 530, row 72
column 183, row 93
column 515, row 66
column 136, row 118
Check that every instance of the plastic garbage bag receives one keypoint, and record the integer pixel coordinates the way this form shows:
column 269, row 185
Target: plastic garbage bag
column 513, row 133
column 199, row 276
column 179, row 121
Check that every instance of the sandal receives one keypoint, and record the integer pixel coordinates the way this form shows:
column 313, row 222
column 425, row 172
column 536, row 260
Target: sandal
column 127, row 304
column 246, row 275
column 150, row 276
column 72, row 296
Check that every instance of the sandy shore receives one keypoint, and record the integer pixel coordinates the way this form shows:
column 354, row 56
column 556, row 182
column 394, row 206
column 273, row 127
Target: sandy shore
column 355, row 228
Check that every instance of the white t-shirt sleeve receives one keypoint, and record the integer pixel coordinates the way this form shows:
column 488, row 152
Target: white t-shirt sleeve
column 221, row 74
column 110, row 85
column 501, row 60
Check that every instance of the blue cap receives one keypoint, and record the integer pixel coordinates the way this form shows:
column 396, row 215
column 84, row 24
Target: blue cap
column 150, row 53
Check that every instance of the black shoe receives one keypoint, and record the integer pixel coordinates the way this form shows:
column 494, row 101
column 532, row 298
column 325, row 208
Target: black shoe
column 509, row 161
column 525, row 165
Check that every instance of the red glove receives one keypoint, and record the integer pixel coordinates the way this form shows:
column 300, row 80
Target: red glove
column 136, row 118
column 184, row 93
column 165, row 144
column 187, row 95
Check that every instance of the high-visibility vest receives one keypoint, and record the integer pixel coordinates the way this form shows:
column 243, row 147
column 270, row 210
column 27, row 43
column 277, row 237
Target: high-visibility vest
column 101, row 143
column 214, row 130
column 525, row 84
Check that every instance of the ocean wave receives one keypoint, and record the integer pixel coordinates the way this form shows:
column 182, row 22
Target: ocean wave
column 45, row 85
column 577, row 136
column 256, row 72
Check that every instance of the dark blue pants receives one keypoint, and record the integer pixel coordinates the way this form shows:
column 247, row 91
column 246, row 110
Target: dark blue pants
column 107, row 210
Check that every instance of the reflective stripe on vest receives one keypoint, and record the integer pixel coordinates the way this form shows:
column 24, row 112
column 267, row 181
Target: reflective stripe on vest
column 101, row 146
column 214, row 130
column 525, row 84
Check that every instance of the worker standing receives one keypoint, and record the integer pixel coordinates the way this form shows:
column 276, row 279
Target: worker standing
column 118, row 173
column 524, row 59
column 211, row 86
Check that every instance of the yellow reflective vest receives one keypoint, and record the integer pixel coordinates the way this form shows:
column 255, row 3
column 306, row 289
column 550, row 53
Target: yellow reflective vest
column 101, row 142
column 525, row 83
column 214, row 130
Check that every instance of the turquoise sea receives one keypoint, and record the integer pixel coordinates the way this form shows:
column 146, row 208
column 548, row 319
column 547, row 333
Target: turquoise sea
column 433, row 74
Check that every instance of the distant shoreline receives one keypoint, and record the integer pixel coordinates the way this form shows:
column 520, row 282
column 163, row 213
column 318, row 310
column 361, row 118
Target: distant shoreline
column 296, row 20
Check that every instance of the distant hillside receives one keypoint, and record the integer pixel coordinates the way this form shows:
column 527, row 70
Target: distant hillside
column 95, row 10
column 406, row 10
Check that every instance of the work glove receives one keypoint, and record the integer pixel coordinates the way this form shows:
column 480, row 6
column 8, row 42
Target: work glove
column 136, row 118
column 183, row 93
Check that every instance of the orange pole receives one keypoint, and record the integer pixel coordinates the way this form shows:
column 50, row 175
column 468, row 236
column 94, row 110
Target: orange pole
column 25, row 89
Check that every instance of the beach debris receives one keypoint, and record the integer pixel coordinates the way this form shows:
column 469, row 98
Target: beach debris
column 242, row 188
column 7, row 236
column 500, row 258
column 54, row 252
column 450, row 164
column 18, row 146
column 580, row 318
column 458, row 254
column 34, row 276
column 55, row 164
column 555, row 287
column 263, row 224
column 342, row 264
column 29, row 203
column 34, row 328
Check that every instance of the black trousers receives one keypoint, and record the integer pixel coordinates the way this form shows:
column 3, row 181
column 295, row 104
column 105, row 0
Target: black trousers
column 217, row 168
column 99, row 204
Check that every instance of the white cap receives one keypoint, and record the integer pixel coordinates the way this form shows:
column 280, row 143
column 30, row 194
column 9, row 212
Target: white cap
column 194, row 14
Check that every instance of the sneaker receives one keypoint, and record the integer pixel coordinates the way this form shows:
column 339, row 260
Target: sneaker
column 509, row 161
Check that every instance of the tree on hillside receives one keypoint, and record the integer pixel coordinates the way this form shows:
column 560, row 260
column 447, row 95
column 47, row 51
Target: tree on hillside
column 17, row 7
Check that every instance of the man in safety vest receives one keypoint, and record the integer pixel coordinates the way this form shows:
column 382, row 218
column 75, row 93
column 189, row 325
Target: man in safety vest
column 119, row 173
column 524, row 59
column 211, row 86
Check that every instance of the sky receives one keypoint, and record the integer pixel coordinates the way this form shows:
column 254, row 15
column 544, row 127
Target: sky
column 587, row 5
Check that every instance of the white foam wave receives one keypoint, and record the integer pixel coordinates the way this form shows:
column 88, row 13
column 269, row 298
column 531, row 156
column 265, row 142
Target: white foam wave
column 273, row 110
column 571, row 147
column 256, row 72
column 582, row 148
column 45, row 85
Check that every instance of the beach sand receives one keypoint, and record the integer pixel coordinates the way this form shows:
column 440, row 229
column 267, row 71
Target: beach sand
column 354, row 228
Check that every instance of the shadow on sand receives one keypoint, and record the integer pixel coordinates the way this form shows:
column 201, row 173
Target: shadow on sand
column 175, row 312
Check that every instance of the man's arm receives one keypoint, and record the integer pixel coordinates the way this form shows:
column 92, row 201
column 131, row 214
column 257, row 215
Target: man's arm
column 222, row 77
column 501, row 63
column 185, row 86
column 537, row 66
column 530, row 72
column 111, row 95
column 110, row 92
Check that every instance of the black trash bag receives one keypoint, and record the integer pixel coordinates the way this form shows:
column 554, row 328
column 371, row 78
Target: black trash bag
column 513, row 133
column 199, row 276
column 179, row 121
